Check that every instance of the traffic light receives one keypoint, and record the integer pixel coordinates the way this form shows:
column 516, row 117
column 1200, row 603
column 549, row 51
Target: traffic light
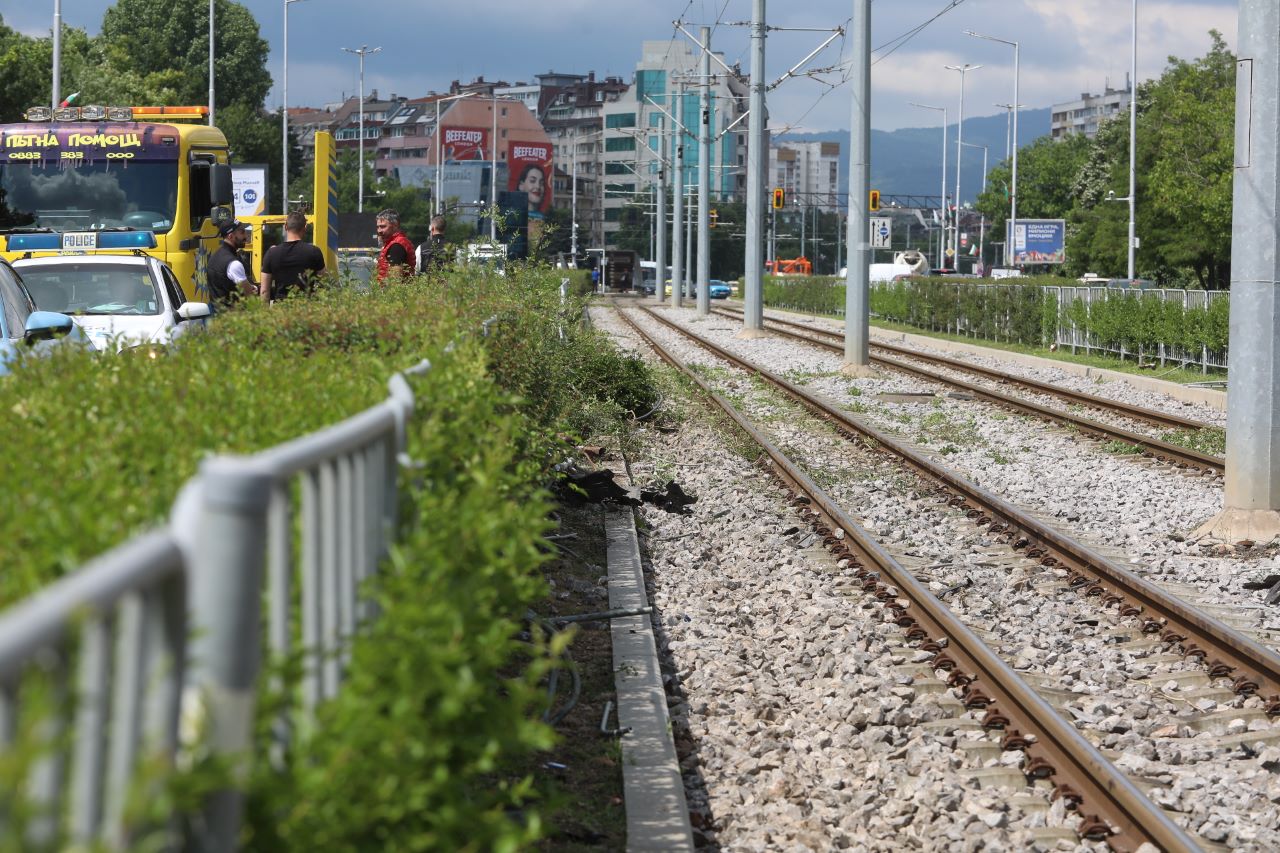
column 873, row 200
column 714, row 217
column 779, row 198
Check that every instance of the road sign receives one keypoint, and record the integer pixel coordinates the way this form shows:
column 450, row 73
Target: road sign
column 881, row 232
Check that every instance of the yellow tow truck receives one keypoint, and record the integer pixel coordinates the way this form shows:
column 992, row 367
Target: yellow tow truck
column 81, row 179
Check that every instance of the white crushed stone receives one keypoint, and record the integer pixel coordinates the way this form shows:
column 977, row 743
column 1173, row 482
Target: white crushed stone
column 1150, row 731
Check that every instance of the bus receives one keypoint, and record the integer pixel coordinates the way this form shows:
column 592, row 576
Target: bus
column 71, row 174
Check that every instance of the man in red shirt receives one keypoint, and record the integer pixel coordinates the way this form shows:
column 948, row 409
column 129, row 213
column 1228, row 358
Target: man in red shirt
column 396, row 259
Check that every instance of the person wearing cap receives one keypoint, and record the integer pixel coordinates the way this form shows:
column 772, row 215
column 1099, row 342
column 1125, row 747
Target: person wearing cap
column 228, row 280
column 396, row 260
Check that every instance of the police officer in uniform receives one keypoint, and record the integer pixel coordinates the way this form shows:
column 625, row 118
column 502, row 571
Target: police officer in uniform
column 228, row 280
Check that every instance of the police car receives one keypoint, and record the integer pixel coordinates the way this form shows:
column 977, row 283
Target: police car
column 23, row 328
column 119, row 300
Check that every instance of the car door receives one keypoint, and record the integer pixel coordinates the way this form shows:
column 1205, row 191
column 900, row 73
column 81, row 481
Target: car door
column 175, row 297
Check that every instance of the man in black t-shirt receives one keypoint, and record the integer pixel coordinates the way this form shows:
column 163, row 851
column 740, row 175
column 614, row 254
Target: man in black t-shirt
column 293, row 264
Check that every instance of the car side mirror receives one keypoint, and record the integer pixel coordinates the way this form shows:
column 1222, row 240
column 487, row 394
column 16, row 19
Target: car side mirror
column 220, row 189
column 44, row 325
column 193, row 310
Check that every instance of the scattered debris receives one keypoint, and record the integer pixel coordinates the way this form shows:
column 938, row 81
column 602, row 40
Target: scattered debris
column 673, row 499
column 578, row 486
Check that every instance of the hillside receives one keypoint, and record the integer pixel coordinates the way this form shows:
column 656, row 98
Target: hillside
column 908, row 161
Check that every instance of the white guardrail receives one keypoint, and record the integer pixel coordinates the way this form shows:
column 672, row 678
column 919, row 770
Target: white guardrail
column 168, row 627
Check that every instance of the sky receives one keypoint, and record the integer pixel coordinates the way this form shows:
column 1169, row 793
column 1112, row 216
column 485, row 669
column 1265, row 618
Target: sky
column 1066, row 48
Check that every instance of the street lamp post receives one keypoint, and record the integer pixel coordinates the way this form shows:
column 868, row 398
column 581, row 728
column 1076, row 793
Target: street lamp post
column 982, row 228
column 982, row 233
column 955, row 228
column 439, row 205
column 284, row 113
column 363, row 51
column 942, row 196
column 1133, row 138
column 1013, row 183
column 210, row 64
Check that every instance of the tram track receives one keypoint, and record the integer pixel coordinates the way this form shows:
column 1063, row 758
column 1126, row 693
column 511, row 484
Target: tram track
column 1151, row 447
column 1163, row 618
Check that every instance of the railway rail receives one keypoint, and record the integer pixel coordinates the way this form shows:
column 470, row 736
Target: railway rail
column 1152, row 447
column 1222, row 650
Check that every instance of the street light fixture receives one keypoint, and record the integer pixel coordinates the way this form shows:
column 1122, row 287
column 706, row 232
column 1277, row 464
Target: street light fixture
column 955, row 232
column 362, row 52
column 942, row 196
column 440, row 150
column 1013, row 184
column 284, row 113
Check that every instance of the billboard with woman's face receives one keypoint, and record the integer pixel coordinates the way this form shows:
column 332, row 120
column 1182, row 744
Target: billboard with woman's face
column 529, row 172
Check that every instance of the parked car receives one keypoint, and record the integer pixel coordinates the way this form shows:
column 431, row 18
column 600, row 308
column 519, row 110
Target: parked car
column 718, row 289
column 121, row 301
column 22, row 325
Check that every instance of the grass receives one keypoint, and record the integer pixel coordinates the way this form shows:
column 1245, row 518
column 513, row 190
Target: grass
column 1212, row 440
column 1179, row 375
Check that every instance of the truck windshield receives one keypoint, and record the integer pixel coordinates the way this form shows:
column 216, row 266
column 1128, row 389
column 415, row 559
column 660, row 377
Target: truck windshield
column 140, row 194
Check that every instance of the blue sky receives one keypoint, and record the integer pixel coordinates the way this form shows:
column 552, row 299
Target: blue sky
column 1067, row 46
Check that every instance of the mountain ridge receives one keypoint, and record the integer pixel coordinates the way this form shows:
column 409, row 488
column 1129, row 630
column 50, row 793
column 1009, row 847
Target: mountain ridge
column 907, row 161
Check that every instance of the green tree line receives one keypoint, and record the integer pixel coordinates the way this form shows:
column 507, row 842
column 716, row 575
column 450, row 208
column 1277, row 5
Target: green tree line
column 155, row 53
column 1185, row 148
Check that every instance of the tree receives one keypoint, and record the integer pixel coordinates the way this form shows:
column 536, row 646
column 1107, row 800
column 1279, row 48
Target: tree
column 166, row 42
column 1187, row 119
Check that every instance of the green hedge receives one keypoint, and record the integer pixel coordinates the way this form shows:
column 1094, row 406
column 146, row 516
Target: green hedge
column 442, row 698
column 1024, row 313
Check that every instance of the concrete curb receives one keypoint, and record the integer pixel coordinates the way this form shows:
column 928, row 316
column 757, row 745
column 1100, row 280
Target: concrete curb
column 657, row 814
column 1208, row 396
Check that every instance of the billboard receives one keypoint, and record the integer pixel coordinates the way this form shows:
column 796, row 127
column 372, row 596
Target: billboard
column 529, row 172
column 1039, row 241
column 249, row 189
column 465, row 143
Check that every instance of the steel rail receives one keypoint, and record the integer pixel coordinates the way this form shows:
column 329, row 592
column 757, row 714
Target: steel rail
column 1151, row 447
column 1224, row 651
column 1118, row 811
column 1083, row 398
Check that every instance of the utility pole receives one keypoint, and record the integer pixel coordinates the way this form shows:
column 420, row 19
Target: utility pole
column 573, row 198
column 361, row 52
column 1251, row 498
column 757, row 165
column 284, row 113
column 857, row 311
column 57, row 56
column 1133, row 140
column 704, row 180
column 677, row 218
column 955, row 229
column 660, row 214
column 210, row 64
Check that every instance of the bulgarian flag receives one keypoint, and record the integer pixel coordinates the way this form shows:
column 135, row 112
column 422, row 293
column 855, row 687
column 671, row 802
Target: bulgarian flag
column 69, row 99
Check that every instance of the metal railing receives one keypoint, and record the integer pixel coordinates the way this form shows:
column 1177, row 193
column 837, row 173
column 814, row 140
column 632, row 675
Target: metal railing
column 164, row 633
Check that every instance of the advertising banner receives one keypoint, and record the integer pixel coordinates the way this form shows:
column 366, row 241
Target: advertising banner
column 529, row 172
column 76, row 144
column 249, row 188
column 1040, row 241
column 465, row 143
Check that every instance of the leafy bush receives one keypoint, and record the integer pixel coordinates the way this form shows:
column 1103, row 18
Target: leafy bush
column 416, row 751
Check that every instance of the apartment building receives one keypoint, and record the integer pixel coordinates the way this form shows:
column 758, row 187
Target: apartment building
column 1085, row 114
column 637, row 129
column 809, row 172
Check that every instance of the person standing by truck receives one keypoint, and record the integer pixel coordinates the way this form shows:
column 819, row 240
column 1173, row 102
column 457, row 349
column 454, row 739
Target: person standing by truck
column 396, row 260
column 228, row 280
column 292, row 265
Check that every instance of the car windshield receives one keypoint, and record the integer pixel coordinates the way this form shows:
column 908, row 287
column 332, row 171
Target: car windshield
column 81, row 288
column 71, row 195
